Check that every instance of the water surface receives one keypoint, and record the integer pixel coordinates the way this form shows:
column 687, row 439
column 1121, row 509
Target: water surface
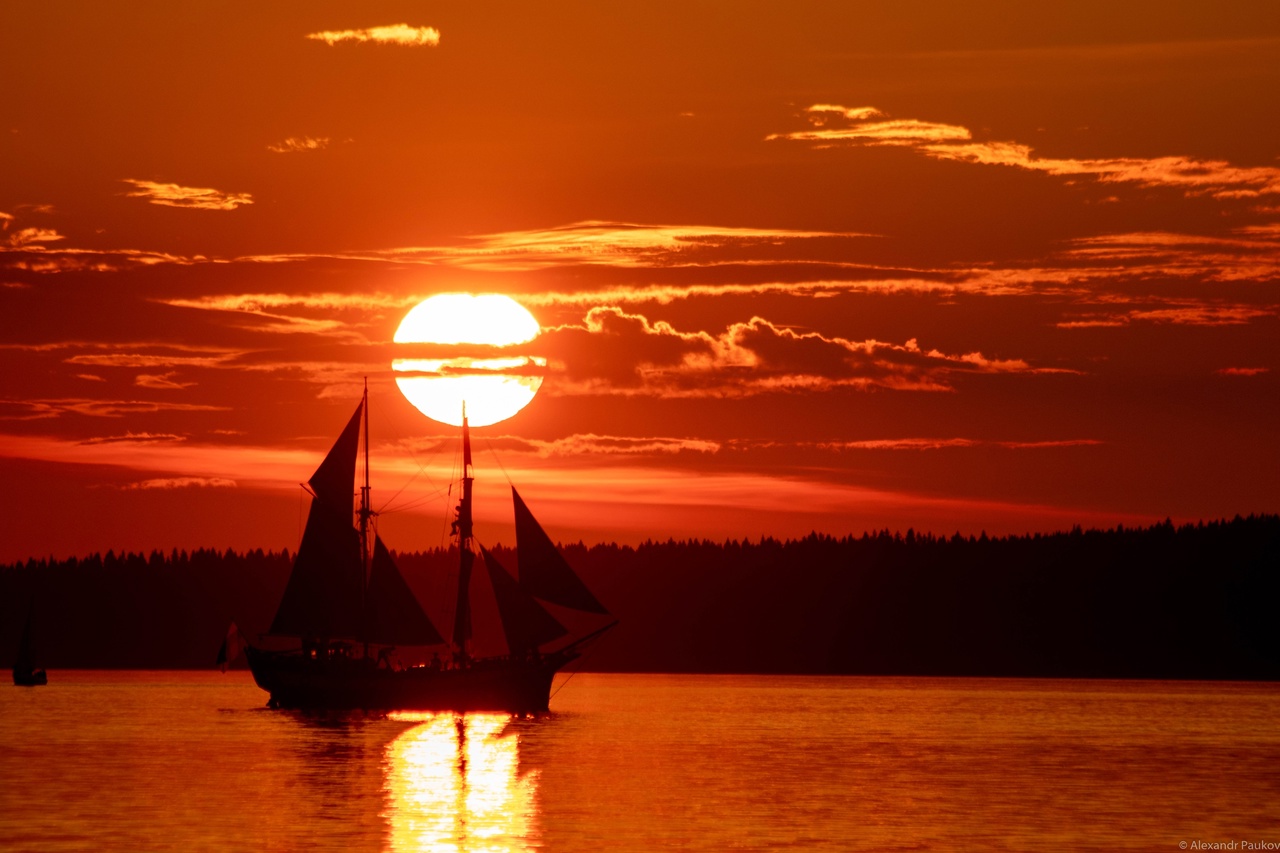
column 194, row 761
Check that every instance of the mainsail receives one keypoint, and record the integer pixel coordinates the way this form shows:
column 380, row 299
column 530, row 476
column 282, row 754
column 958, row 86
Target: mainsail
column 327, row 597
column 544, row 573
column 322, row 599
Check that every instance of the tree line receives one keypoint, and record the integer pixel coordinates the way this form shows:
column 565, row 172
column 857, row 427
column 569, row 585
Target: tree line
column 1165, row 601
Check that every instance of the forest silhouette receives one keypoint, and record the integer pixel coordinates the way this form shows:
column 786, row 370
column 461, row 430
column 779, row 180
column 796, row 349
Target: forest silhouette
column 1192, row 601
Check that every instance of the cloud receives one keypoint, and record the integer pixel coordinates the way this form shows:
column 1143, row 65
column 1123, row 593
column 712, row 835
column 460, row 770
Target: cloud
column 596, row 445
column 161, row 382
column 136, row 359
column 1244, row 371
column 944, row 443
column 295, row 144
column 571, row 447
column 174, row 195
column 1180, row 312
column 401, row 34
column 137, row 438
column 618, row 244
column 615, row 352
column 831, row 124
column 279, row 312
column 28, row 237
column 182, row 483
column 53, row 408
column 861, row 126
column 1246, row 254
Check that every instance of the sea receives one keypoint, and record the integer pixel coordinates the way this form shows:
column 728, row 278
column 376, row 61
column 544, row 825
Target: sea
column 188, row 761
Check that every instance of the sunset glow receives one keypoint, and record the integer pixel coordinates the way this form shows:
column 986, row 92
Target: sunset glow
column 834, row 267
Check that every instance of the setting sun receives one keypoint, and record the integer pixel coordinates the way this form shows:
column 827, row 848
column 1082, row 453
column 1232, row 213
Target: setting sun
column 492, row 388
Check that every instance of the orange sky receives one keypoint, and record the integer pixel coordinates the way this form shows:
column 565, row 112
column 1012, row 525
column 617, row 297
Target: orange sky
column 998, row 266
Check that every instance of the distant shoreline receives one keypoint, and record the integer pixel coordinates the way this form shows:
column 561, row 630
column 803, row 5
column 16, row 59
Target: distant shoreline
column 1189, row 603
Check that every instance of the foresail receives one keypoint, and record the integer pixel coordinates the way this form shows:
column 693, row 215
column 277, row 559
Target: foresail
column 393, row 615
column 524, row 621
column 322, row 599
column 334, row 481
column 544, row 573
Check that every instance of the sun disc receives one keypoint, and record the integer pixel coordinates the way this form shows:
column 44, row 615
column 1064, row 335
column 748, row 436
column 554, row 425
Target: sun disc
column 493, row 389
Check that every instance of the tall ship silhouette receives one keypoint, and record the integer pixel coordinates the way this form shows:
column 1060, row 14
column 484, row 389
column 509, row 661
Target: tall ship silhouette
column 347, row 605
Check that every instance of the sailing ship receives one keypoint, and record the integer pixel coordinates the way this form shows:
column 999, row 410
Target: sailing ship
column 348, row 605
column 25, row 673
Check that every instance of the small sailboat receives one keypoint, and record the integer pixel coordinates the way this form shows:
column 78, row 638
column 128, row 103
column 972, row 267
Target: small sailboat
column 25, row 673
column 348, row 605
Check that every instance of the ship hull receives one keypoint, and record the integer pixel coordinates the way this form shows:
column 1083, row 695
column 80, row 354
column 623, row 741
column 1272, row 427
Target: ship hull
column 495, row 684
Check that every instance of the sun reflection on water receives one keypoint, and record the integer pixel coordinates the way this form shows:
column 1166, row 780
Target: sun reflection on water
column 453, row 785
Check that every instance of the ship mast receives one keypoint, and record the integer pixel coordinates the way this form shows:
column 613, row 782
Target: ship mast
column 466, row 557
column 366, row 511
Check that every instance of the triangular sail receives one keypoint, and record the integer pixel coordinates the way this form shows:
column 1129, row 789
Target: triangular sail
column 334, row 481
column 524, row 621
column 544, row 573
column 392, row 614
column 231, row 649
column 322, row 599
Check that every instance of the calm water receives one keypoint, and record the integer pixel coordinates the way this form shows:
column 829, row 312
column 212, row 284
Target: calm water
column 192, row 761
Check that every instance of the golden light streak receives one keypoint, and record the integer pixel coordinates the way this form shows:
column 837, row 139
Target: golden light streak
column 400, row 34
column 453, row 784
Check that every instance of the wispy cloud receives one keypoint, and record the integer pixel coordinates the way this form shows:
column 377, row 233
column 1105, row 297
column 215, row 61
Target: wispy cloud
column 27, row 237
column 1181, row 312
column 869, row 125
column 574, row 446
column 1246, row 254
column 183, row 483
column 305, row 313
column 595, row 445
column 401, row 34
column 619, row 244
column 294, row 144
column 53, row 408
column 1244, row 371
column 148, row 360
column 831, row 125
column 135, row 438
column 163, row 381
column 197, row 198
column 945, row 443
